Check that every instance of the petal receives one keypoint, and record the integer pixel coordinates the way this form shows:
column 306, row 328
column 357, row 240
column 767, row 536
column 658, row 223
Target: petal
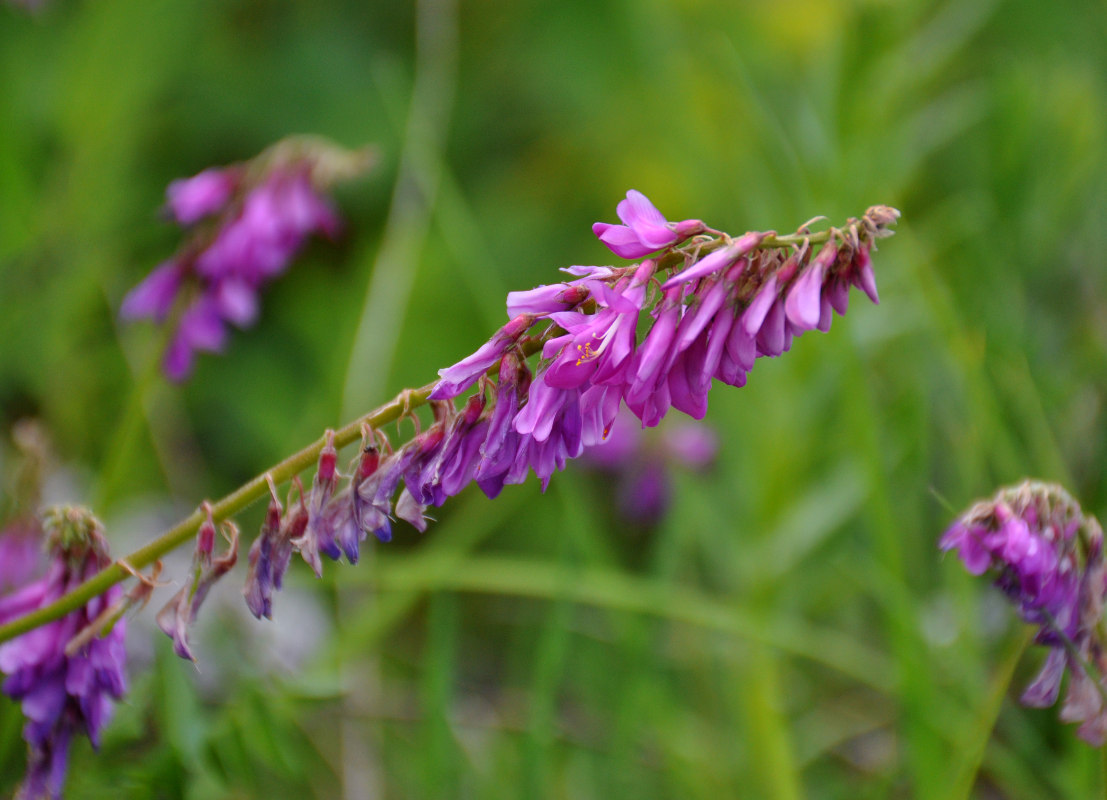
column 154, row 296
column 754, row 315
column 621, row 240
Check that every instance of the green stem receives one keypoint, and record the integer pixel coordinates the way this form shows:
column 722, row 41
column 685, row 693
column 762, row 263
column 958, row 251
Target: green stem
column 227, row 507
column 787, row 240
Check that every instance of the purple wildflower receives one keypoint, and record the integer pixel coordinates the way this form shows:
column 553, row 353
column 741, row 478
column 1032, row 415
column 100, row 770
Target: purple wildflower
column 62, row 691
column 644, row 229
column 719, row 259
column 255, row 218
column 1047, row 558
column 318, row 535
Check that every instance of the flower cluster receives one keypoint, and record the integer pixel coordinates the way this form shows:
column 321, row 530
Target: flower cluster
column 1047, row 558
column 246, row 222
column 713, row 305
column 64, row 676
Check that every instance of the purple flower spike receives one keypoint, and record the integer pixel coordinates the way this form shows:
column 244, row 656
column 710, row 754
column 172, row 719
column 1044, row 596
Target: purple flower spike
column 644, row 229
column 1056, row 582
column 63, row 674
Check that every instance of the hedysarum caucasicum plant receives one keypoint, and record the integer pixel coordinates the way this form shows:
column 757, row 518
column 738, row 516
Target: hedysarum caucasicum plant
column 1046, row 556
column 698, row 307
column 714, row 305
column 245, row 224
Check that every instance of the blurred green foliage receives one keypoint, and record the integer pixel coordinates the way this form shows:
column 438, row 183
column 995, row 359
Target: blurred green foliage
column 788, row 629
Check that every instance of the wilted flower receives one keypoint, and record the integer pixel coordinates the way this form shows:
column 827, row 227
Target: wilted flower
column 1047, row 557
column 62, row 692
column 271, row 551
column 257, row 217
column 180, row 612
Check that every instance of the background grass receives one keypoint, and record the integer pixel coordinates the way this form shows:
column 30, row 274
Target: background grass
column 787, row 629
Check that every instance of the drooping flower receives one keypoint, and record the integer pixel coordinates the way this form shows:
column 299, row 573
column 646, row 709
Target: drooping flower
column 271, row 551
column 63, row 691
column 180, row 612
column 1046, row 556
column 246, row 223
column 462, row 375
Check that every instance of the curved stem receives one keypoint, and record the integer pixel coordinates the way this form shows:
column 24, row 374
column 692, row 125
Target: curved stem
column 226, row 507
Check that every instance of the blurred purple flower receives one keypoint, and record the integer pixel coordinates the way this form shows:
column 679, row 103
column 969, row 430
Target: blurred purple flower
column 63, row 691
column 1047, row 558
column 257, row 217
column 641, row 462
column 190, row 199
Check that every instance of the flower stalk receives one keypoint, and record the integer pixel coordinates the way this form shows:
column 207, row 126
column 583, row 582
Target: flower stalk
column 717, row 303
column 225, row 508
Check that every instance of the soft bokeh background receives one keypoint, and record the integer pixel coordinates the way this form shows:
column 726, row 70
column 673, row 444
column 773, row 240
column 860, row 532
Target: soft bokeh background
column 787, row 629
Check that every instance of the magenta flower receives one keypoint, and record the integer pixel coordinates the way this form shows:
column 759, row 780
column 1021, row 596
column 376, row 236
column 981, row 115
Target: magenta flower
column 807, row 299
column 644, row 229
column 1047, row 558
column 718, row 260
column 63, row 690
